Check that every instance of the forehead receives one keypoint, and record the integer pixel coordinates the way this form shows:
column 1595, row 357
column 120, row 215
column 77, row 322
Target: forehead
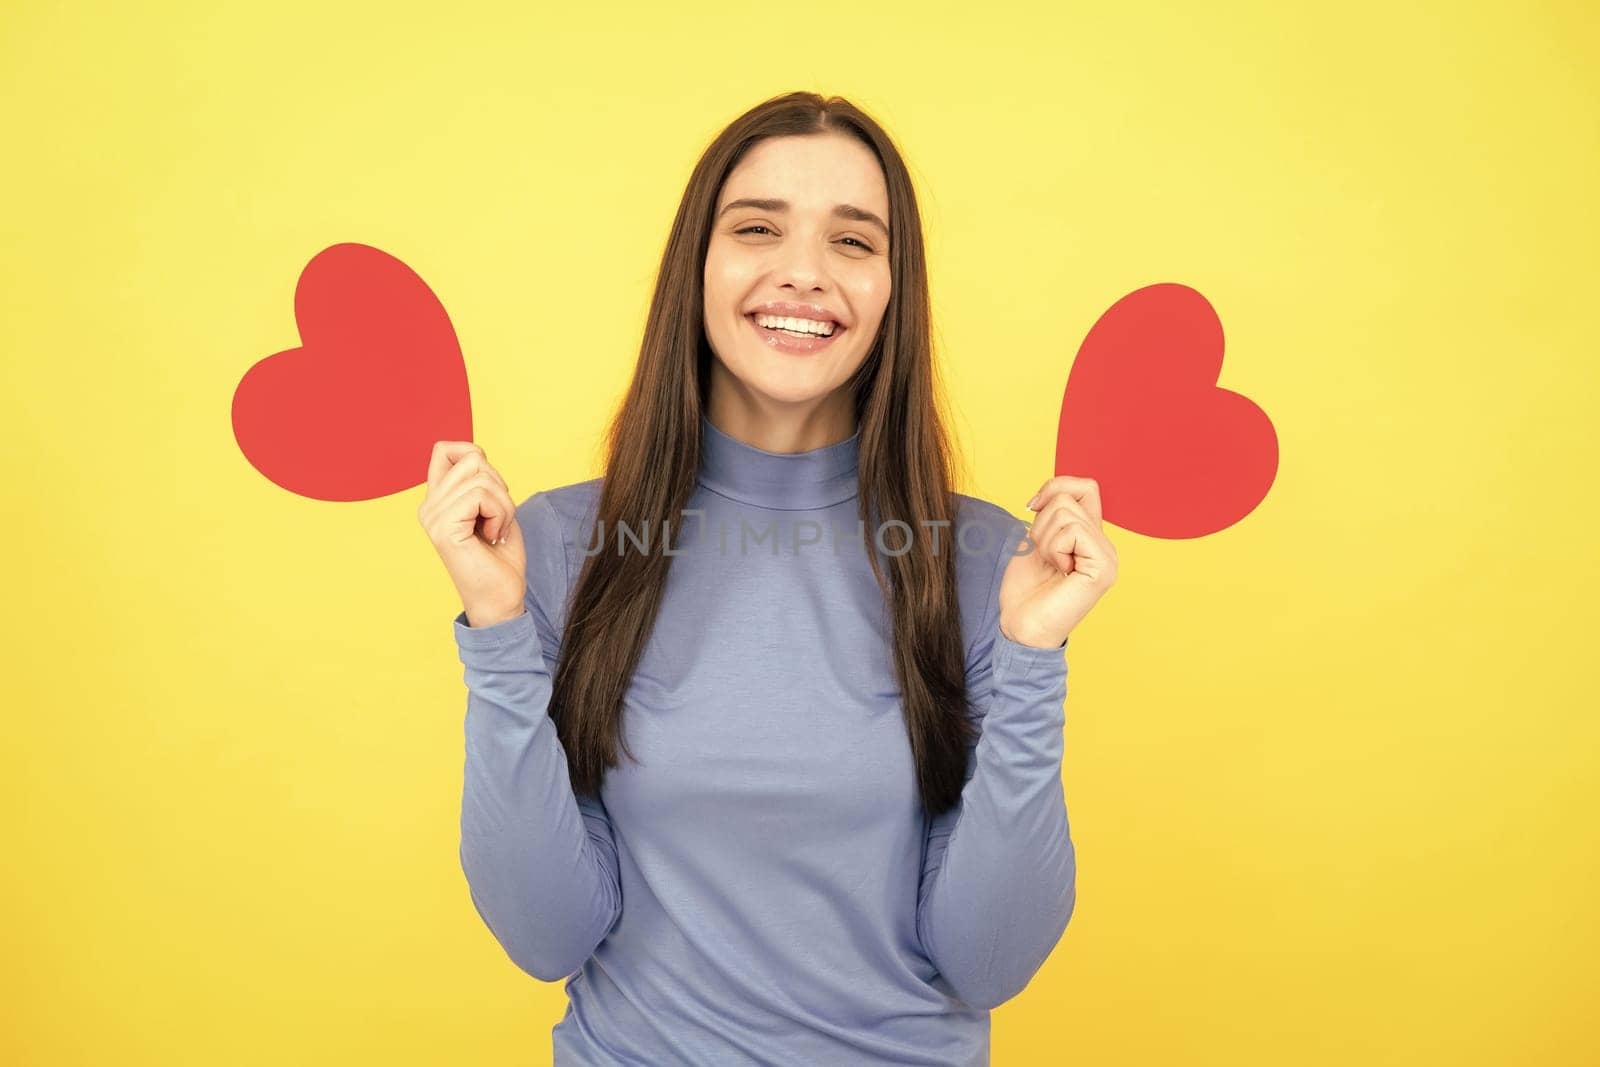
column 811, row 171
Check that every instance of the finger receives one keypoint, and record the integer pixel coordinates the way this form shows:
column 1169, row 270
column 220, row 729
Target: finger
column 1066, row 547
column 1055, row 514
column 495, row 527
column 1036, row 532
column 1087, row 551
column 513, row 530
column 505, row 522
column 455, row 478
column 1067, row 550
column 479, row 497
column 468, row 460
column 445, row 455
column 1063, row 501
column 465, row 470
column 1039, row 534
column 484, row 467
column 1085, row 491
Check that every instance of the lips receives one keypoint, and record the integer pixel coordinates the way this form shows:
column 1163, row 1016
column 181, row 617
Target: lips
column 792, row 343
column 792, row 309
column 832, row 325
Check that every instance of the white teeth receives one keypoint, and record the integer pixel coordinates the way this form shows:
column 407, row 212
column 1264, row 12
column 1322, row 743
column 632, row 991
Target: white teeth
column 780, row 322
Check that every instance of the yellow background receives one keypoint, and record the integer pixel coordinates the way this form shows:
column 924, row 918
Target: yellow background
column 1331, row 772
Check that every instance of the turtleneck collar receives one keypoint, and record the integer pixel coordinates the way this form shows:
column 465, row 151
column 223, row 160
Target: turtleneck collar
column 782, row 481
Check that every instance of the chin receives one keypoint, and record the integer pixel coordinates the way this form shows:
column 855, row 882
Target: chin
column 788, row 392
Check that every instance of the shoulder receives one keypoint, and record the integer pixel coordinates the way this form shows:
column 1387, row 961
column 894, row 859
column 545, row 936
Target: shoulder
column 984, row 540
column 566, row 505
column 984, row 530
column 555, row 522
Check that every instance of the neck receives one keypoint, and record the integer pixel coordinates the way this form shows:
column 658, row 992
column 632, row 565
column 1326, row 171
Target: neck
column 779, row 428
column 782, row 481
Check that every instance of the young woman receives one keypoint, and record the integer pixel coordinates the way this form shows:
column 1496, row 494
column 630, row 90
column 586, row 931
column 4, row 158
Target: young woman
column 840, row 835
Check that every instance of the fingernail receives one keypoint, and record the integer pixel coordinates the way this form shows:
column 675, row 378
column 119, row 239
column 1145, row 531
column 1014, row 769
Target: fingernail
column 1032, row 501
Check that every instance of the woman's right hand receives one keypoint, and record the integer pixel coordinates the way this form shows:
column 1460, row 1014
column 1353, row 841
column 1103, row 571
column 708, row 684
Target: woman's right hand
column 487, row 563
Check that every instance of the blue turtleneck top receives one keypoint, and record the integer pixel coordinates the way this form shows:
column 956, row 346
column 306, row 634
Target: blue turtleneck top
column 763, row 887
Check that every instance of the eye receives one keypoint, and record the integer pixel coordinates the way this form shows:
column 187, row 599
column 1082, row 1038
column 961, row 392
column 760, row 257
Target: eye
column 758, row 226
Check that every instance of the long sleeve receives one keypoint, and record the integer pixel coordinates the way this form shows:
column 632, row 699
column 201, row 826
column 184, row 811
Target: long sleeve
column 540, row 861
column 999, row 875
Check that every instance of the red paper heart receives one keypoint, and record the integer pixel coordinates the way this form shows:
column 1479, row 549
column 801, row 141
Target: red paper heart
column 354, row 412
column 1175, row 456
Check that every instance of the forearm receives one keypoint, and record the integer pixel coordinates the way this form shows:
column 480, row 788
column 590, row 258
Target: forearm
column 545, row 885
column 1000, row 882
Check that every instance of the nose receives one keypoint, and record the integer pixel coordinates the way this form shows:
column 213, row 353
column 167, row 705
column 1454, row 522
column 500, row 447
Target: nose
column 802, row 266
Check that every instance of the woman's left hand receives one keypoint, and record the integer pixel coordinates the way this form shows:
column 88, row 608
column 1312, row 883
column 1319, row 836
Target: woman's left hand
column 1050, row 585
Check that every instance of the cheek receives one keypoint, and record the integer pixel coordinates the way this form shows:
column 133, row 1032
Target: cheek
column 713, row 285
column 726, row 278
column 725, row 293
column 870, row 295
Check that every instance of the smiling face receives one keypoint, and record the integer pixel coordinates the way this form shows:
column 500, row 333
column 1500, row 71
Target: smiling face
column 796, row 283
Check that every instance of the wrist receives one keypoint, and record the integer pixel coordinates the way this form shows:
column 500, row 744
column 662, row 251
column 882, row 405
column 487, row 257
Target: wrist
column 1029, row 638
column 480, row 618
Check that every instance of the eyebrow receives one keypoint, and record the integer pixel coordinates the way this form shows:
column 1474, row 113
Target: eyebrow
column 843, row 211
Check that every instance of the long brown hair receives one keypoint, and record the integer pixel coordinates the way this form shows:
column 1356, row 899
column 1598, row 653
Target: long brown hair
column 653, row 458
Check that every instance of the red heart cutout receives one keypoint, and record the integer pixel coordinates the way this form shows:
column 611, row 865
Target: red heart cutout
column 354, row 412
column 1175, row 456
